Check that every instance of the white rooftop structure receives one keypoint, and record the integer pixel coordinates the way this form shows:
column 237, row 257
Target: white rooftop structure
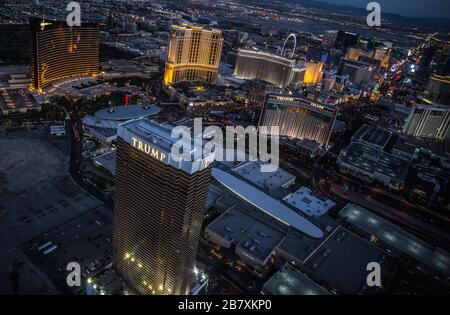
column 58, row 130
column 127, row 112
column 156, row 140
column 266, row 203
column 269, row 181
column 311, row 205
column 103, row 125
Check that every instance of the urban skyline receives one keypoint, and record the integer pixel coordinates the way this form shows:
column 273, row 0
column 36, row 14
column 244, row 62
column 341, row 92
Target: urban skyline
column 223, row 148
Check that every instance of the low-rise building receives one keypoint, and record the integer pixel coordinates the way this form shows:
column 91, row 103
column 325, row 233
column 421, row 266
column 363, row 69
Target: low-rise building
column 290, row 281
column 251, row 171
column 17, row 101
column 15, row 77
column 340, row 264
column 107, row 161
column 252, row 240
column 308, row 203
column 373, row 165
column 428, row 122
column 103, row 125
column 372, row 136
column 58, row 130
column 394, row 237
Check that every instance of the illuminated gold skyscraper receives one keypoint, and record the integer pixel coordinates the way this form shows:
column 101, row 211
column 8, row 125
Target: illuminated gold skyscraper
column 158, row 210
column 194, row 54
column 313, row 73
column 60, row 51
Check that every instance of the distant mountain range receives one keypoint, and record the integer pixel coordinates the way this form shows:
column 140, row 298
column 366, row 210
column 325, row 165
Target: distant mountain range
column 442, row 23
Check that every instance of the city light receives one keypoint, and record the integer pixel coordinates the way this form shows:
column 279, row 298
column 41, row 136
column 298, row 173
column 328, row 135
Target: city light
column 242, row 152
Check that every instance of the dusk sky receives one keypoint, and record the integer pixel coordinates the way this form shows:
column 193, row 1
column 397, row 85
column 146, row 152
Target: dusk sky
column 412, row 8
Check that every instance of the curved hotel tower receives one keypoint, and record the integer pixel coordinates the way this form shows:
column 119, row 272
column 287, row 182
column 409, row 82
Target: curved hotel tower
column 277, row 70
column 60, row 51
column 194, row 55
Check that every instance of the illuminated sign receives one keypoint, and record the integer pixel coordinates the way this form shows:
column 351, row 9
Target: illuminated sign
column 146, row 148
column 283, row 98
column 44, row 24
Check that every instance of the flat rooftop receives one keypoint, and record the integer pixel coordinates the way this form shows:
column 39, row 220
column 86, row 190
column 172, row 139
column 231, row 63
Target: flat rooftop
column 410, row 144
column 122, row 63
column 398, row 238
column 127, row 112
column 85, row 239
column 213, row 195
column 107, row 282
column 94, row 122
column 126, row 66
column 247, row 232
column 156, row 140
column 308, row 144
column 242, row 52
column 264, row 202
column 58, row 129
column 152, row 132
column 341, row 262
column 251, row 171
column 107, row 161
column 373, row 161
column 298, row 247
column 373, row 136
column 18, row 69
column 17, row 99
column 308, row 203
column 234, row 162
column 106, row 132
column 290, row 281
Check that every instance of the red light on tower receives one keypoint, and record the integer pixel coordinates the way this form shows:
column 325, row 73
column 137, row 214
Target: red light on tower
column 126, row 99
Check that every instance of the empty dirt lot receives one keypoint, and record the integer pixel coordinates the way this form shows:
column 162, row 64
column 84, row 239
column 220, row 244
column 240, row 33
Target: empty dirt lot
column 36, row 195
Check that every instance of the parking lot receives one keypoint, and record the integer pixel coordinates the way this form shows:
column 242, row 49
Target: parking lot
column 36, row 195
column 85, row 240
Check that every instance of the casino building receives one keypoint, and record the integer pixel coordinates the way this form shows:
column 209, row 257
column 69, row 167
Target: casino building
column 261, row 65
column 313, row 72
column 60, row 51
column 194, row 55
column 428, row 122
column 299, row 118
column 158, row 210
